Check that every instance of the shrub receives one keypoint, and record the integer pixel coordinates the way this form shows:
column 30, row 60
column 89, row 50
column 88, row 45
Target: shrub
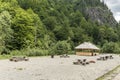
column 16, row 52
column 4, row 50
column 61, row 47
column 111, row 47
column 36, row 52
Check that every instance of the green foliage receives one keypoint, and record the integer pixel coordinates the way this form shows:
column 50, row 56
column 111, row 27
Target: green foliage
column 29, row 52
column 5, row 56
column 50, row 22
column 16, row 53
column 4, row 50
column 5, row 30
column 36, row 52
column 61, row 47
column 23, row 26
column 54, row 26
column 62, row 34
column 111, row 47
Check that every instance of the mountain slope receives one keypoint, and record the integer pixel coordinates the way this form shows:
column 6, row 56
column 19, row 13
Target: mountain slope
column 44, row 24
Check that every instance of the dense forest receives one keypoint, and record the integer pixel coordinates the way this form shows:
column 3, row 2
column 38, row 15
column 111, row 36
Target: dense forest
column 43, row 27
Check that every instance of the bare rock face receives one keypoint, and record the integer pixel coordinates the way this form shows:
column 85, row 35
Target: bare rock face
column 102, row 16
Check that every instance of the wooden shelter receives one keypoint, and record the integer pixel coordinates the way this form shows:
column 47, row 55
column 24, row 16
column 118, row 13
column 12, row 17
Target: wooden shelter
column 87, row 49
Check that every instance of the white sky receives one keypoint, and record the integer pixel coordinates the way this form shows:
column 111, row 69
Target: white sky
column 114, row 6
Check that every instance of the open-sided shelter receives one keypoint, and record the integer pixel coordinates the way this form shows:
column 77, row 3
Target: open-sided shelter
column 87, row 49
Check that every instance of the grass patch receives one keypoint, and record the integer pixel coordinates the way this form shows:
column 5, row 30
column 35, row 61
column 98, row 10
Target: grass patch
column 5, row 56
column 108, row 73
column 35, row 52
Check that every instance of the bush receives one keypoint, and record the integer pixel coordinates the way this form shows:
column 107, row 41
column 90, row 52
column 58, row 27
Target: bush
column 4, row 50
column 30, row 52
column 111, row 47
column 61, row 47
column 71, row 52
column 16, row 53
column 36, row 52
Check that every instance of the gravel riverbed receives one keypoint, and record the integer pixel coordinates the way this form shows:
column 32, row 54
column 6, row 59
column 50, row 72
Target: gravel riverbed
column 46, row 68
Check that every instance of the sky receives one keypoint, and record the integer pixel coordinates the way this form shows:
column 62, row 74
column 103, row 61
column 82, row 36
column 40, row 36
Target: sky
column 114, row 6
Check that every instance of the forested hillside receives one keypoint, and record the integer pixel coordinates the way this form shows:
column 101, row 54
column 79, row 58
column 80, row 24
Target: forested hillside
column 42, row 27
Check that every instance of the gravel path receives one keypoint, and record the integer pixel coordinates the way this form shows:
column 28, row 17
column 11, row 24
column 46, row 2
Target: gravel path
column 45, row 68
column 117, row 77
column 111, row 75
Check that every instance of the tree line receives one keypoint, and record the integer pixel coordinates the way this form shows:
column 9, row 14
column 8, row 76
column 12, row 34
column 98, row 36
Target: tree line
column 43, row 27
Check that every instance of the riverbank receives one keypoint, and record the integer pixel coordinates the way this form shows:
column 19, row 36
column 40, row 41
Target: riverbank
column 46, row 68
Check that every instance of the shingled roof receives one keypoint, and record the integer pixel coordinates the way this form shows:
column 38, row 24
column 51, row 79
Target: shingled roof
column 87, row 45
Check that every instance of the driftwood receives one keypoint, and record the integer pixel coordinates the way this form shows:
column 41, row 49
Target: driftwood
column 111, row 57
column 81, row 62
column 18, row 58
column 105, row 58
column 76, row 63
